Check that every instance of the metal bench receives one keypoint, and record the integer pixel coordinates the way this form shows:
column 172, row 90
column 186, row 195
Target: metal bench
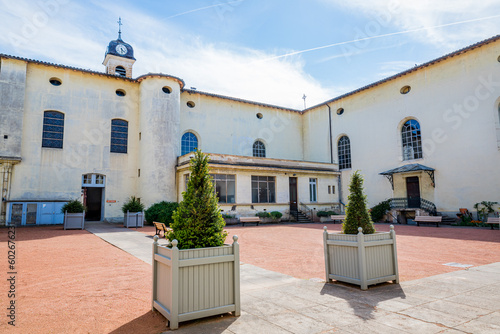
column 339, row 218
column 160, row 227
column 428, row 219
column 493, row 221
column 244, row 220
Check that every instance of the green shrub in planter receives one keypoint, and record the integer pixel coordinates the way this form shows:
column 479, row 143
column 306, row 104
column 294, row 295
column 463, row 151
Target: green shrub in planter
column 357, row 214
column 132, row 205
column 161, row 212
column 378, row 211
column 326, row 213
column 198, row 221
column 73, row 206
column 276, row 214
column 263, row 214
column 227, row 216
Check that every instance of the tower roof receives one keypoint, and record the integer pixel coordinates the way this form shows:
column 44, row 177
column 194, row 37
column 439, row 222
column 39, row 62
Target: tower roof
column 118, row 47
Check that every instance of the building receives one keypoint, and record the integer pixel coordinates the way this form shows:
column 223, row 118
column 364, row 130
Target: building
column 429, row 136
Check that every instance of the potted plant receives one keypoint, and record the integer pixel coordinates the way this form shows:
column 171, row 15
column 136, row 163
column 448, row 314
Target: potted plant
column 358, row 254
column 230, row 218
column 276, row 216
column 484, row 209
column 133, row 211
column 74, row 215
column 196, row 275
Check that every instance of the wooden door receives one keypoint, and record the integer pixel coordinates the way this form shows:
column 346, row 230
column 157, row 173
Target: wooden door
column 293, row 193
column 413, row 192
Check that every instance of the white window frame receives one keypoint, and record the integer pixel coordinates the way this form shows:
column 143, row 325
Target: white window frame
column 313, row 190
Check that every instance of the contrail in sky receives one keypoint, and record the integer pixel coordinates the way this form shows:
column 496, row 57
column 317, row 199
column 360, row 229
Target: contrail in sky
column 203, row 8
column 378, row 36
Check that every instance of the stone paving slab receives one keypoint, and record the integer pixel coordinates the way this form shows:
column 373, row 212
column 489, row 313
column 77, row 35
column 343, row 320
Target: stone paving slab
column 457, row 302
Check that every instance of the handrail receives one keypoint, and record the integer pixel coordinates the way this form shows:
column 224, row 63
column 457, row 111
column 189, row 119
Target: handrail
column 420, row 203
column 306, row 210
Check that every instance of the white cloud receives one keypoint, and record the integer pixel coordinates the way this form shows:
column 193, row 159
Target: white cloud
column 77, row 35
column 409, row 15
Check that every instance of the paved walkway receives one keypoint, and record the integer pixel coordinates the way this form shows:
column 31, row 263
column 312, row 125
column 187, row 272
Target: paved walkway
column 465, row 301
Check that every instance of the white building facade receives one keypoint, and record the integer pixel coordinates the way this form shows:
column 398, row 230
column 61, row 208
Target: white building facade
column 429, row 136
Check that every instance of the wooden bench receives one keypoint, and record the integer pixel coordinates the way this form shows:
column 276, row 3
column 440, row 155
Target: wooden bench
column 339, row 218
column 244, row 220
column 493, row 221
column 160, row 227
column 428, row 219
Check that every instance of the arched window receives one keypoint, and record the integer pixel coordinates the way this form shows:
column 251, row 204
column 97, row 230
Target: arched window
column 53, row 129
column 120, row 70
column 259, row 149
column 344, row 152
column 189, row 143
column 119, row 136
column 411, row 140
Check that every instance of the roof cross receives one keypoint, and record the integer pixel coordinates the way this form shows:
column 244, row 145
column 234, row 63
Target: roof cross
column 120, row 28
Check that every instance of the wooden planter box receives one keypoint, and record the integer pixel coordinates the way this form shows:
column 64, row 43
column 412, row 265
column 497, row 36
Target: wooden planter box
column 133, row 219
column 195, row 283
column 362, row 259
column 74, row 220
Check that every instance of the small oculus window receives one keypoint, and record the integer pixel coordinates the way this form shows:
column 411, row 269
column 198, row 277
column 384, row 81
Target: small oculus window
column 55, row 82
column 405, row 90
column 120, row 92
column 259, row 115
column 340, row 111
column 498, row 59
column 167, row 90
column 190, row 104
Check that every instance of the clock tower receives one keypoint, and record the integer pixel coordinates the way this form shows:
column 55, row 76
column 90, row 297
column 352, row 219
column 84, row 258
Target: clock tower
column 119, row 56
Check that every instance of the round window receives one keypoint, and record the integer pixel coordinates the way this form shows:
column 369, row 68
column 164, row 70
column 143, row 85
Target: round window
column 340, row 111
column 120, row 92
column 55, row 81
column 167, row 90
column 405, row 90
column 190, row 104
column 259, row 116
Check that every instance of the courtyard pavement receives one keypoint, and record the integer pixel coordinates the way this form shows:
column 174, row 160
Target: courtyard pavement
column 464, row 301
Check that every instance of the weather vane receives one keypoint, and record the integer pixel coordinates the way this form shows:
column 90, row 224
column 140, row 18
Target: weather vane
column 304, row 98
column 120, row 28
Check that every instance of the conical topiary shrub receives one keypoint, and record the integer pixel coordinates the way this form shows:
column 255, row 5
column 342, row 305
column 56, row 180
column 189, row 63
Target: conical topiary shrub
column 357, row 214
column 197, row 221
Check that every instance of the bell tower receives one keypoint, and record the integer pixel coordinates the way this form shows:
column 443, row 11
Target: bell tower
column 119, row 56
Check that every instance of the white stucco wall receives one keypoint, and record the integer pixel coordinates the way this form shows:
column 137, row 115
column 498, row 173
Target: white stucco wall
column 231, row 127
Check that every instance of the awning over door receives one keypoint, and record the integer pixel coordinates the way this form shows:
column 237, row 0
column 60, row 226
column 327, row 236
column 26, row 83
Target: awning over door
column 408, row 169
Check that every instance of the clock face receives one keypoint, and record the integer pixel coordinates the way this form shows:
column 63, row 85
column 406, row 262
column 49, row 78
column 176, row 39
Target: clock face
column 121, row 49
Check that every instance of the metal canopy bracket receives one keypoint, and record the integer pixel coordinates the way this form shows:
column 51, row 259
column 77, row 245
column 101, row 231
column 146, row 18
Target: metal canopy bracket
column 431, row 175
column 391, row 180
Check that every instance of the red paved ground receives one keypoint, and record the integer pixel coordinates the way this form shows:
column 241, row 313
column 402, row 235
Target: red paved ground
column 73, row 282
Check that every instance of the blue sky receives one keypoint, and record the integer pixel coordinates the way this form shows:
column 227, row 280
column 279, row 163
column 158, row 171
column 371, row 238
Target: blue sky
column 252, row 49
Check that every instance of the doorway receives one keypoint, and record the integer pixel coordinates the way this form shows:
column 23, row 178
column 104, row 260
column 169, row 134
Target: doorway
column 293, row 193
column 413, row 192
column 93, row 202
column 93, row 187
